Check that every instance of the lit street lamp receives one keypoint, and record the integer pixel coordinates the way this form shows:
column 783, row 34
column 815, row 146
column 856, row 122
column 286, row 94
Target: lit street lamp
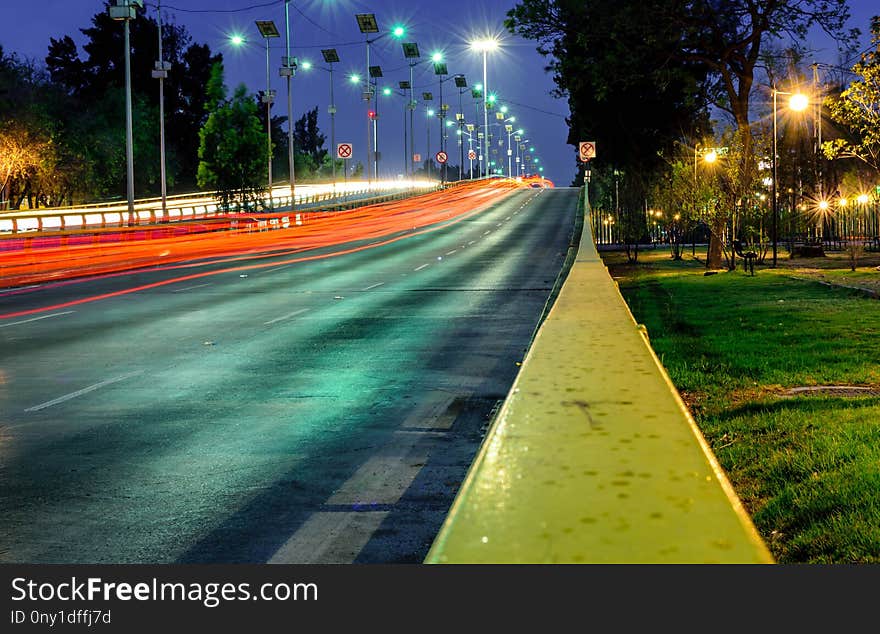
column 484, row 46
column 268, row 30
column 798, row 102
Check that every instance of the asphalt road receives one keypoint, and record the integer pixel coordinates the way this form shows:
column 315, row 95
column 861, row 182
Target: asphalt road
column 323, row 411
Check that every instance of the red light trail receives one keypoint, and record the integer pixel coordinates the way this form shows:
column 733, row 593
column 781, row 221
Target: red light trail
column 318, row 230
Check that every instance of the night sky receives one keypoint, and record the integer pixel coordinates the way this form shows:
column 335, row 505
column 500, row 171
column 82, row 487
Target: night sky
column 515, row 72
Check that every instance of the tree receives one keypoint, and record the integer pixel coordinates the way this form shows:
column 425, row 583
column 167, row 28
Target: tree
column 308, row 140
column 614, row 63
column 857, row 110
column 232, row 149
column 638, row 73
column 99, row 75
column 729, row 39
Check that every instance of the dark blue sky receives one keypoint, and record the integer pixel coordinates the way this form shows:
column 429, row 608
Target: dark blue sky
column 515, row 71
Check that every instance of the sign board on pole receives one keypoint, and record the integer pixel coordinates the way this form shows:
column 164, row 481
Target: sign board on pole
column 344, row 150
column 472, row 155
column 586, row 150
column 417, row 158
column 441, row 157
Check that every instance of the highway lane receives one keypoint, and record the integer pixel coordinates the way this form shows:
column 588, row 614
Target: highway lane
column 322, row 411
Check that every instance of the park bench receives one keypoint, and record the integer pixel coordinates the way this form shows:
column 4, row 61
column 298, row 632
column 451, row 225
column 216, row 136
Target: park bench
column 748, row 257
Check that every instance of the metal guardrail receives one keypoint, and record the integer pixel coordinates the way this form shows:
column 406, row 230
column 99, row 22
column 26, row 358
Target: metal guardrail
column 593, row 457
column 15, row 224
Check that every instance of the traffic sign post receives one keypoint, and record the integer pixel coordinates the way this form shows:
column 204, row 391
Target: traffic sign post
column 472, row 155
column 586, row 151
column 441, row 157
column 344, row 151
column 417, row 158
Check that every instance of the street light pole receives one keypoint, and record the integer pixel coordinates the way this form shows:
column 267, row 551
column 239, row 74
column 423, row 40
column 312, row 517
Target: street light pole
column 412, row 110
column 268, row 99
column 798, row 102
column 411, row 53
column 268, row 30
column 509, row 129
column 428, row 160
column 332, row 110
column 773, row 201
column 367, row 24
column 126, row 10
column 161, row 72
column 288, row 69
column 331, row 56
column 485, row 115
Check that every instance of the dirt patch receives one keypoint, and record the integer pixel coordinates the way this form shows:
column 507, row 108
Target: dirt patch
column 833, row 390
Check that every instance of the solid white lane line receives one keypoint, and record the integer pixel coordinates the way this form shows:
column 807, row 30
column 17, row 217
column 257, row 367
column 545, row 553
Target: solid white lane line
column 287, row 316
column 451, row 252
column 369, row 288
column 85, row 390
column 189, row 288
column 421, row 267
column 24, row 321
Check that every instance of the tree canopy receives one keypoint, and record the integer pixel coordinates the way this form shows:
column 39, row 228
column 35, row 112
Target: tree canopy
column 857, row 110
column 233, row 150
column 640, row 76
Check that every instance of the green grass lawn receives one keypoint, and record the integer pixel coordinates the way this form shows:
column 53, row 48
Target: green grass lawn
column 807, row 467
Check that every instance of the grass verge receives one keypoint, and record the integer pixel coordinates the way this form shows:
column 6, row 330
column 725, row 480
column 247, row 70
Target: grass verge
column 807, row 467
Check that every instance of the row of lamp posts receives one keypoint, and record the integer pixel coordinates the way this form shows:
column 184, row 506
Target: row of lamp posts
column 126, row 10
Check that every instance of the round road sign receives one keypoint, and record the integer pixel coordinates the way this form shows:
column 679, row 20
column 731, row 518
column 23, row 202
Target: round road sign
column 586, row 150
column 441, row 157
column 472, row 155
column 343, row 150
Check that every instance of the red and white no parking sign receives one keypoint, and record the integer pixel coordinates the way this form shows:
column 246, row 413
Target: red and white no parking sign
column 344, row 150
column 441, row 157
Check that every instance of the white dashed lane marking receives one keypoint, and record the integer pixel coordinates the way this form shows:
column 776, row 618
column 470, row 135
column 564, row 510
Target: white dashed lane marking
column 25, row 321
column 190, row 288
column 287, row 316
column 85, row 390
column 369, row 288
